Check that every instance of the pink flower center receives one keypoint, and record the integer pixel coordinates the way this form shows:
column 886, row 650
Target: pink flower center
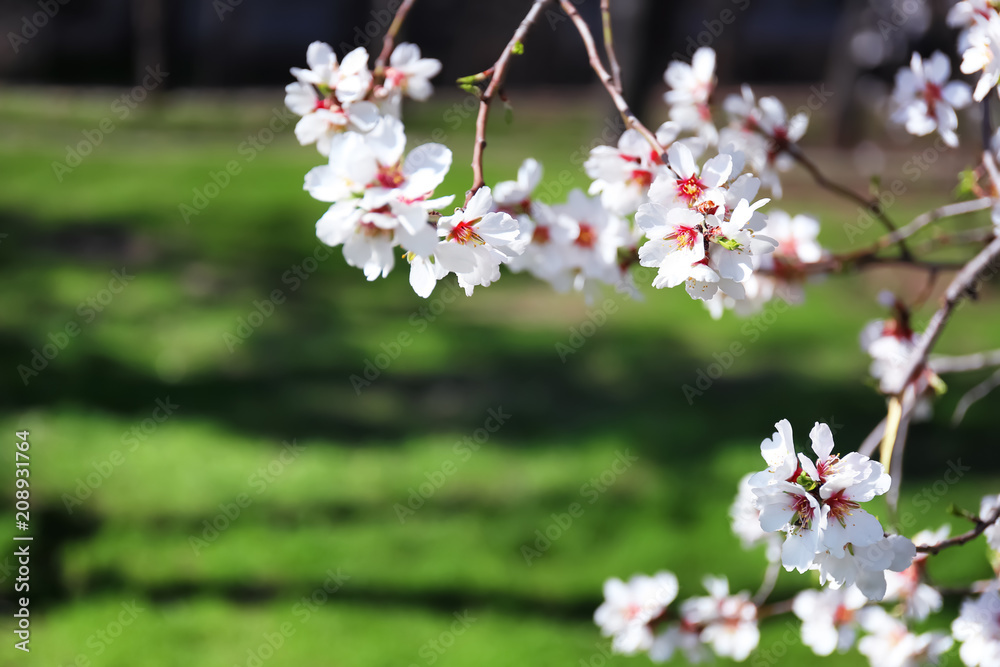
column 690, row 188
column 587, row 237
column 842, row 615
column 541, row 235
column 684, row 237
column 390, row 177
column 642, row 177
column 804, row 511
column 394, row 78
column 465, row 233
column 932, row 95
column 372, row 230
column 840, row 507
column 631, row 611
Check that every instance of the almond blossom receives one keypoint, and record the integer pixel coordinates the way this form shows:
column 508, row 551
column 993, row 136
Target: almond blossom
column 891, row 644
column 726, row 623
column 978, row 628
column 818, row 506
column 917, row 599
column 378, row 199
column 329, row 96
column 764, row 132
column 628, row 609
column 983, row 53
column 591, row 260
column 479, row 235
column 407, row 74
column 691, row 87
column 926, row 101
column 349, row 80
column 622, row 175
column 865, row 566
column 745, row 520
column 829, row 618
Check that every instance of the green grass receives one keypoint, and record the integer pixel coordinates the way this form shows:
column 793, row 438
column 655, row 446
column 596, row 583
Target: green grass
column 119, row 517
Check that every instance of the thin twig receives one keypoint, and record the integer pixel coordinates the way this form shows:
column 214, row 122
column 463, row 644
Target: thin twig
column 965, row 362
column 770, row 579
column 607, row 81
column 609, row 45
column 871, row 442
column 895, row 463
column 775, row 608
column 921, row 221
column 871, row 205
column 960, row 287
column 390, row 37
column 499, row 73
column 981, row 525
column 975, row 394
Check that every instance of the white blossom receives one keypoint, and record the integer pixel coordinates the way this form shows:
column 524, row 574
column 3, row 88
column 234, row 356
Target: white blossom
column 891, row 644
column 628, row 608
column 926, row 101
column 829, row 618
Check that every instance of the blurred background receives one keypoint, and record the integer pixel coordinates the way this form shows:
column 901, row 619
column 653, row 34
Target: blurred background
column 244, row 454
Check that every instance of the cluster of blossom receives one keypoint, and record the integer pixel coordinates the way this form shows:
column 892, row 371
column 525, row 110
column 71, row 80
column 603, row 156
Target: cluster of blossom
column 698, row 223
column 832, row 619
column 846, row 614
column 633, row 612
column 379, row 199
column 817, row 505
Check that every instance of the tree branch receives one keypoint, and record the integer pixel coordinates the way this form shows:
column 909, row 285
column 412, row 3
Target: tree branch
column 921, row 221
column 966, row 362
column 978, row 392
column 390, row 38
column 873, row 206
column 981, row 525
column 609, row 45
column 960, row 287
column 499, row 73
column 607, row 81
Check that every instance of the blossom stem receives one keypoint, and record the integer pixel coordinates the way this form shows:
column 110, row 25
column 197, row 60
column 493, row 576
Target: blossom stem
column 390, row 38
column 770, row 579
column 609, row 45
column 981, row 525
column 961, row 286
column 775, row 608
column 499, row 73
column 608, row 81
